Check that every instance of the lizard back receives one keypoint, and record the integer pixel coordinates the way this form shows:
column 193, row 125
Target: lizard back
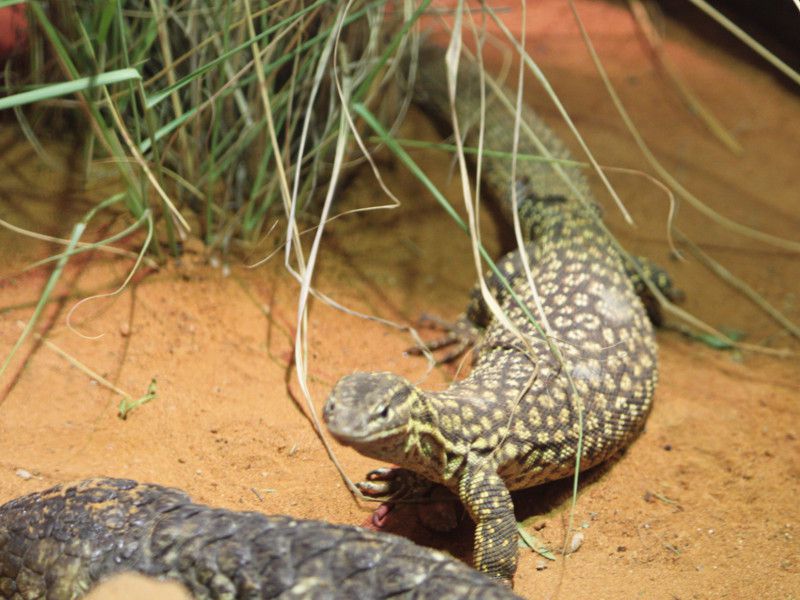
column 521, row 406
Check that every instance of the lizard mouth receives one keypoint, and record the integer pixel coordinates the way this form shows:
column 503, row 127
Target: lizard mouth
column 354, row 430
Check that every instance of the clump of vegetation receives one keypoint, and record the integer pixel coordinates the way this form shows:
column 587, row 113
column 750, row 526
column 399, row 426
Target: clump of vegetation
column 212, row 112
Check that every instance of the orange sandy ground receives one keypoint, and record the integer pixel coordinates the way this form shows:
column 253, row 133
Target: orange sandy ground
column 703, row 505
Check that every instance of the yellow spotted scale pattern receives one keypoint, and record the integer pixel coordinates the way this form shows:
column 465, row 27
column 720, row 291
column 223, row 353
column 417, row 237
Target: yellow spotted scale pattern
column 514, row 421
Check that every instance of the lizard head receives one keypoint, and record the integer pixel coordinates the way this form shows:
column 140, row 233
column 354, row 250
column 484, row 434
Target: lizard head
column 370, row 410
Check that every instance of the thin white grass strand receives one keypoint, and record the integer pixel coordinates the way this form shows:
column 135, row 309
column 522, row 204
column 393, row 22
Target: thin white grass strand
column 79, row 365
column 148, row 216
column 747, row 40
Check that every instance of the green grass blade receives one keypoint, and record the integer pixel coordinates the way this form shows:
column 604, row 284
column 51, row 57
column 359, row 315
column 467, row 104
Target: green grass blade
column 69, row 87
column 534, row 543
column 107, row 14
column 127, row 404
column 77, row 232
column 489, row 152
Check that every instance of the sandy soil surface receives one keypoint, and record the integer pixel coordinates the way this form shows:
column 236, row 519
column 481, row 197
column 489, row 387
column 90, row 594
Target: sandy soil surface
column 703, row 505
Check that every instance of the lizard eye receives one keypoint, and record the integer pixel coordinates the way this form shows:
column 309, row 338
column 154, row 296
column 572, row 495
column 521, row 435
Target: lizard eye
column 383, row 411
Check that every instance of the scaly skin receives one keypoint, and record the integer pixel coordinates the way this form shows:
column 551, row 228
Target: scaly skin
column 59, row 543
column 514, row 421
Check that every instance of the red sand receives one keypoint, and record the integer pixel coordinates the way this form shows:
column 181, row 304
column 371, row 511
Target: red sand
column 704, row 505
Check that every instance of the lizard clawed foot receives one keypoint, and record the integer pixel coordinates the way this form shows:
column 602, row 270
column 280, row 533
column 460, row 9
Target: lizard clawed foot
column 461, row 334
column 395, row 484
column 437, row 507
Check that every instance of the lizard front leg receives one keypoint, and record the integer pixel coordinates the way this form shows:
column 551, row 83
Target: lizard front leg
column 488, row 501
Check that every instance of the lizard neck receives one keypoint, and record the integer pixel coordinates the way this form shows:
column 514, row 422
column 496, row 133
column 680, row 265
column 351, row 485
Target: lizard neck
column 426, row 448
column 440, row 437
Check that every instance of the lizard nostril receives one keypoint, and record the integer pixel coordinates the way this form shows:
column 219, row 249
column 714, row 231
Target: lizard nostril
column 328, row 410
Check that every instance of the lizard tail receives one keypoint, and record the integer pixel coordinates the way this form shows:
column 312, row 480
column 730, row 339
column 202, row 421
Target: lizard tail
column 534, row 176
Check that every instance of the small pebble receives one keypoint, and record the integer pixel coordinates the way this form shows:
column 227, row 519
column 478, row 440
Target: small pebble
column 541, row 565
column 577, row 542
column 124, row 329
column 23, row 474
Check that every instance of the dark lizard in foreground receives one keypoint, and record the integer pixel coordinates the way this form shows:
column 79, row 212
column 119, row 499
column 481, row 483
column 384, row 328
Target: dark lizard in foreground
column 58, row 543
column 515, row 421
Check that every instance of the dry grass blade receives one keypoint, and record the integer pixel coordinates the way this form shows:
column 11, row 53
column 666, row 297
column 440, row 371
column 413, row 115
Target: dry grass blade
column 662, row 172
column 741, row 286
column 747, row 40
column 540, row 76
column 301, row 339
column 102, row 247
column 150, row 230
column 657, row 45
column 126, row 397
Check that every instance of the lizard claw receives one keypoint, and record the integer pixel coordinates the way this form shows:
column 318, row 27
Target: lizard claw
column 382, row 474
column 378, row 490
column 429, row 321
